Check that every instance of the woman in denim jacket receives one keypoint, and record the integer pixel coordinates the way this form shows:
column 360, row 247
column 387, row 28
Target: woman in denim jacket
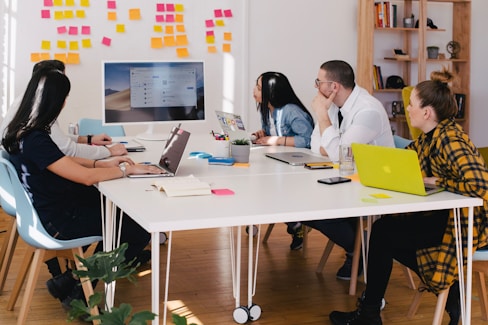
column 285, row 120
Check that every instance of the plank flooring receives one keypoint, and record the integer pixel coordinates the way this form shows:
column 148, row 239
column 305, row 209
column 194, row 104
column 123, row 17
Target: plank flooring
column 288, row 289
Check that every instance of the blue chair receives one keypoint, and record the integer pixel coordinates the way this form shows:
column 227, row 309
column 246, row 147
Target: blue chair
column 401, row 142
column 94, row 126
column 39, row 240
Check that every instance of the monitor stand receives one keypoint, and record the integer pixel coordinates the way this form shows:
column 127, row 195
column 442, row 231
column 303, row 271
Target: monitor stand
column 149, row 135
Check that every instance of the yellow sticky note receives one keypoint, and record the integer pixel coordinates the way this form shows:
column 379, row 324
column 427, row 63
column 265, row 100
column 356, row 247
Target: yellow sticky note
column 120, row 28
column 180, row 28
column 111, row 15
column 85, row 3
column 228, row 36
column 210, row 39
column 169, row 41
column 135, row 14
column 73, row 46
column 68, row 14
column 58, row 3
column 158, row 29
column 381, row 196
column 219, row 22
column 169, row 29
column 368, row 200
column 58, row 15
column 241, row 165
column 182, row 52
column 86, row 43
column 80, row 14
column 226, row 48
column 46, row 45
column 70, row 3
column 179, row 7
column 181, row 40
column 61, row 44
column 212, row 49
column 73, row 58
column 156, row 42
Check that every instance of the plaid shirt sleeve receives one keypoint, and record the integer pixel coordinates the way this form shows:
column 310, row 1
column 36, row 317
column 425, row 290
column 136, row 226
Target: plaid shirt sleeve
column 454, row 160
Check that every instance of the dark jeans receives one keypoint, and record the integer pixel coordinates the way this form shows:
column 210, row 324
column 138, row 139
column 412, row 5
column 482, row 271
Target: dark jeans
column 399, row 237
column 341, row 231
column 84, row 219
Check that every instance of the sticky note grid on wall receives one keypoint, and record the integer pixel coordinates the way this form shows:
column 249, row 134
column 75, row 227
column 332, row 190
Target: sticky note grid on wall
column 78, row 26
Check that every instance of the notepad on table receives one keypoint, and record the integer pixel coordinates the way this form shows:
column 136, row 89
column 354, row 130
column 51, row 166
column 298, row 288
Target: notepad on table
column 182, row 186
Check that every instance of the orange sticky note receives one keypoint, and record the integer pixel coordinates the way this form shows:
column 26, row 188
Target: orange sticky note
column 228, row 36
column 182, row 52
column 181, row 40
column 111, row 15
column 135, row 14
column 45, row 56
column 60, row 56
column 212, row 49
column 73, row 58
column 180, row 28
column 35, row 57
column 156, row 42
column 169, row 41
column 169, row 29
column 226, row 48
column 178, row 18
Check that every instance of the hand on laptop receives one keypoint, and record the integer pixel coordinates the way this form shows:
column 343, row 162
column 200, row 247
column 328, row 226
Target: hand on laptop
column 117, row 149
column 430, row 180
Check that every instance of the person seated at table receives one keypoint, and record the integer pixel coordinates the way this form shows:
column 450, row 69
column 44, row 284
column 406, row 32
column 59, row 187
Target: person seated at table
column 285, row 121
column 61, row 187
column 94, row 147
column 425, row 241
column 344, row 113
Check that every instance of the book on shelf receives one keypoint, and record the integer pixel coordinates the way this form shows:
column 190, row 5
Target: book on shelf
column 182, row 186
column 377, row 78
column 385, row 14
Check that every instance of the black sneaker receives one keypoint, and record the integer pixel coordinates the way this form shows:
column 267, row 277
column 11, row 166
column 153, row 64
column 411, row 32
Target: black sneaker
column 344, row 273
column 75, row 294
column 61, row 286
column 297, row 236
column 453, row 305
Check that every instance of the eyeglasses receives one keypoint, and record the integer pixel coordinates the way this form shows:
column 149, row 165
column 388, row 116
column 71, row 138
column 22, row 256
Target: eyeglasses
column 318, row 82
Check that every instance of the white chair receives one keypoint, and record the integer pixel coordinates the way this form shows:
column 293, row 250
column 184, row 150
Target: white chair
column 94, row 126
column 33, row 233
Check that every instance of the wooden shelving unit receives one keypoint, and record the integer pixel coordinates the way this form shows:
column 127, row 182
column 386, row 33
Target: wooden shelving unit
column 414, row 42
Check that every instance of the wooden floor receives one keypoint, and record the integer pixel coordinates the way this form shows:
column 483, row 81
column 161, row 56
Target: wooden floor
column 288, row 289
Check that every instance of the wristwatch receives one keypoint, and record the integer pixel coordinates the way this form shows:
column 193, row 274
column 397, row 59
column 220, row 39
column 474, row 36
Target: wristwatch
column 89, row 138
column 123, row 169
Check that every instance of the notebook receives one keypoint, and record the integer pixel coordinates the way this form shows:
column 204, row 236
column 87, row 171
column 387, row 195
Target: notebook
column 391, row 169
column 172, row 153
column 296, row 158
column 133, row 146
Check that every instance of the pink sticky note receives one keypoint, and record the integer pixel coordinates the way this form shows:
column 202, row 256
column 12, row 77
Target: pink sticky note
column 209, row 23
column 111, row 4
column 160, row 18
column 170, row 18
column 222, row 191
column 170, row 7
column 106, row 41
column 62, row 30
column 210, row 33
column 228, row 13
column 159, row 7
column 45, row 14
column 85, row 30
column 73, row 30
column 218, row 13
column 48, row 3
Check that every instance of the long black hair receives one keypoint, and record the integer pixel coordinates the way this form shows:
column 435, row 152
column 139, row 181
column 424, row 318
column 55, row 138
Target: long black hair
column 40, row 107
column 277, row 91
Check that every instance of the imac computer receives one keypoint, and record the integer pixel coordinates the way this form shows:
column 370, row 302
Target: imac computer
column 152, row 92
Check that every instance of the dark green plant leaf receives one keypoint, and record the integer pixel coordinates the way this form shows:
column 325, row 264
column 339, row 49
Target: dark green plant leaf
column 141, row 318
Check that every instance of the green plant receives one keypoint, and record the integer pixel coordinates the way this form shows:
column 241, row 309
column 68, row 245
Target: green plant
column 108, row 267
column 241, row 142
column 180, row 320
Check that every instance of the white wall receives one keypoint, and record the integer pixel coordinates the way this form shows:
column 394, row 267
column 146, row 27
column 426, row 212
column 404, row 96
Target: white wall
column 294, row 37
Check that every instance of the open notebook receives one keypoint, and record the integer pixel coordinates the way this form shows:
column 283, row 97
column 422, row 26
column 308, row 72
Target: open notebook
column 172, row 153
column 390, row 169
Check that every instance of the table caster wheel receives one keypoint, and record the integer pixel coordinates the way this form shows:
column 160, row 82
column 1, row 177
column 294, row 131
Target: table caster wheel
column 254, row 230
column 383, row 304
column 254, row 312
column 241, row 315
column 163, row 238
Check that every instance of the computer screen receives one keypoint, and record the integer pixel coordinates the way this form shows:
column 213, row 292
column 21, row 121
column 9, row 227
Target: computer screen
column 150, row 92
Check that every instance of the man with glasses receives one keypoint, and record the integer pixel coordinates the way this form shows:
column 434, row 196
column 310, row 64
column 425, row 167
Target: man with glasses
column 345, row 113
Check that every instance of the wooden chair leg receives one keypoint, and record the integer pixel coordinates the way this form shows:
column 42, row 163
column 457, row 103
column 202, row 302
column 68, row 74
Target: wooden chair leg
column 482, row 294
column 414, row 306
column 36, row 264
column 439, row 308
column 85, row 282
column 410, row 281
column 325, row 256
column 7, row 251
column 19, row 281
column 268, row 233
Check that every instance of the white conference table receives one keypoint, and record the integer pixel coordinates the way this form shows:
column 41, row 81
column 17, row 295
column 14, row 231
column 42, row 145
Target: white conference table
column 266, row 192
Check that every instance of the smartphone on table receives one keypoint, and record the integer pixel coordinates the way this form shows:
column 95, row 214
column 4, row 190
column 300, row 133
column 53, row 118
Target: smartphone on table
column 334, row 180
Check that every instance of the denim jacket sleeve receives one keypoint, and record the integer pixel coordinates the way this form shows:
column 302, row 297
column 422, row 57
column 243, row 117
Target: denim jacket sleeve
column 291, row 121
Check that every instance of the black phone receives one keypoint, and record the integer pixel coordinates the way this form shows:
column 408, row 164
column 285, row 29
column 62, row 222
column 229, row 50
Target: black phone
column 318, row 166
column 334, row 180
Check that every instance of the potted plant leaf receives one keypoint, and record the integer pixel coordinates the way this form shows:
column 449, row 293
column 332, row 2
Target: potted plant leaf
column 108, row 267
column 240, row 150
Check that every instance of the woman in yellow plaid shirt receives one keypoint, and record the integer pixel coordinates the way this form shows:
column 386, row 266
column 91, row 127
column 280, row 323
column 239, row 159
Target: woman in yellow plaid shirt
column 425, row 241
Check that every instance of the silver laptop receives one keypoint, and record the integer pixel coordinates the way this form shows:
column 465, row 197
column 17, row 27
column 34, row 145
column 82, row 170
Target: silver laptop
column 172, row 153
column 296, row 158
column 232, row 125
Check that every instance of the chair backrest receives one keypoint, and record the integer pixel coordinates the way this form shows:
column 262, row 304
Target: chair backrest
column 484, row 153
column 94, row 126
column 406, row 91
column 7, row 198
column 29, row 225
column 401, row 142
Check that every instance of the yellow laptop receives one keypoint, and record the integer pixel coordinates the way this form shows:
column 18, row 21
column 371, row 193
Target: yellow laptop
column 391, row 169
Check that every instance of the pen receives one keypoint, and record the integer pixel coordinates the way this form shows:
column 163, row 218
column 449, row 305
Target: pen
column 145, row 163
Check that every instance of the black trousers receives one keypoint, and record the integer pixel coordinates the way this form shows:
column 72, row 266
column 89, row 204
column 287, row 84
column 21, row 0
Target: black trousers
column 83, row 218
column 341, row 231
column 398, row 237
